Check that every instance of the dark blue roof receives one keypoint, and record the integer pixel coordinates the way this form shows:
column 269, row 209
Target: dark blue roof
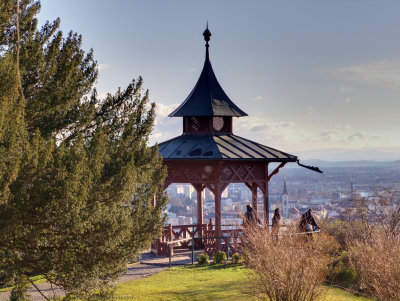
column 220, row 147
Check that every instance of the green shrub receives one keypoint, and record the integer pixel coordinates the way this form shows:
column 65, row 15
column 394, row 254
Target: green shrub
column 219, row 257
column 202, row 259
column 236, row 258
column 342, row 272
column 343, row 231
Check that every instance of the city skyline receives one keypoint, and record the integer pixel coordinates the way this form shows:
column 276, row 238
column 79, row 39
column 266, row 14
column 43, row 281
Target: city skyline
column 318, row 79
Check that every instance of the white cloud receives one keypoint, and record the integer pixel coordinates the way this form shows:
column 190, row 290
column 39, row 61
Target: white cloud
column 164, row 127
column 259, row 97
column 344, row 126
column 156, row 135
column 364, row 153
column 291, row 137
column 382, row 73
column 347, row 100
column 345, row 89
column 311, row 111
column 102, row 66
column 162, row 110
column 363, row 136
column 102, row 95
column 269, row 131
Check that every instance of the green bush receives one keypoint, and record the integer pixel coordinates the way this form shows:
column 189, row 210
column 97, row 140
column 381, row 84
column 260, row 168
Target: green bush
column 202, row 259
column 342, row 272
column 219, row 257
column 236, row 258
column 343, row 231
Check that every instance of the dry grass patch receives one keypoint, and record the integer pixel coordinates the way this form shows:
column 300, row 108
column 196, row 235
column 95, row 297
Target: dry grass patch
column 289, row 269
column 377, row 259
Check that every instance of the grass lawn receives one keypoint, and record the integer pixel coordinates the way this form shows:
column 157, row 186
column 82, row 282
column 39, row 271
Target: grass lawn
column 221, row 282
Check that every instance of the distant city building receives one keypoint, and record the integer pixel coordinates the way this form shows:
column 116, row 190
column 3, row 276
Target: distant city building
column 185, row 220
column 281, row 201
column 285, row 200
column 235, row 194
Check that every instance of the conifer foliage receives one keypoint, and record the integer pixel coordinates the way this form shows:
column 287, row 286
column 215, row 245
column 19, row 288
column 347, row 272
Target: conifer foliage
column 76, row 176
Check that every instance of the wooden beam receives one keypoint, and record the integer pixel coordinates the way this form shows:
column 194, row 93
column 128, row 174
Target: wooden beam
column 218, row 208
column 266, row 197
column 199, row 212
column 266, row 206
column 276, row 171
column 211, row 187
column 254, row 197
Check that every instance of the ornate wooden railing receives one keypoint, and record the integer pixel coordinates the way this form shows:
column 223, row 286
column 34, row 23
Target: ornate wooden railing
column 180, row 237
column 208, row 238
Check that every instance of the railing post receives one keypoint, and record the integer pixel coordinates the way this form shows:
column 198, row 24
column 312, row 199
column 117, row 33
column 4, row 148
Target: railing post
column 170, row 232
column 192, row 250
column 170, row 249
column 227, row 248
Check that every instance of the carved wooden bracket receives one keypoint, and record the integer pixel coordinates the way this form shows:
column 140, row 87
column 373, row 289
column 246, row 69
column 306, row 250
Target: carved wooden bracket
column 276, row 170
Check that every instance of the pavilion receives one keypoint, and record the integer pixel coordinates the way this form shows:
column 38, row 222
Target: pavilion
column 209, row 155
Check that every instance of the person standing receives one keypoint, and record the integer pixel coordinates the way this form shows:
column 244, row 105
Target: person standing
column 275, row 222
column 250, row 217
column 307, row 222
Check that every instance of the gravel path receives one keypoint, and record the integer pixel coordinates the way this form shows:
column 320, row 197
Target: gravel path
column 149, row 265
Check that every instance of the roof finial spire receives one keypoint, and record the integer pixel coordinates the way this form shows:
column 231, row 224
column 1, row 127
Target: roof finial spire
column 207, row 35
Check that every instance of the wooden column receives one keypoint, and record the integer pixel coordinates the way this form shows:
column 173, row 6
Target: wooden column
column 199, row 189
column 199, row 206
column 266, row 198
column 254, row 197
column 217, row 195
column 218, row 208
column 266, row 205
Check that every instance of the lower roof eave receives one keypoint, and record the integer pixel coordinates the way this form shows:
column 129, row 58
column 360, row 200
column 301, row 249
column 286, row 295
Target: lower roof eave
column 277, row 160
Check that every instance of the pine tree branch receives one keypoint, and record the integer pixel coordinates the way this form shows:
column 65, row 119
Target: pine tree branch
column 17, row 54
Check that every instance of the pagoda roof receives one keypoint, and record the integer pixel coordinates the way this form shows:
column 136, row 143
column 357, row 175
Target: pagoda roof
column 207, row 97
column 220, row 147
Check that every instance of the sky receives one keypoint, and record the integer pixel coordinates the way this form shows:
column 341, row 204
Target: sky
column 319, row 79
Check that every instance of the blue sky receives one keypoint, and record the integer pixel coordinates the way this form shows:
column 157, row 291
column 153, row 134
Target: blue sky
column 319, row 79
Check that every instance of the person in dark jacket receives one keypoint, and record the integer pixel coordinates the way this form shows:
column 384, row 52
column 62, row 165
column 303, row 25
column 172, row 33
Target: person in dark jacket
column 307, row 222
column 250, row 216
column 275, row 222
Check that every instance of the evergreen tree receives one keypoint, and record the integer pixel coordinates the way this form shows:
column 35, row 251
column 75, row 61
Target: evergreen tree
column 76, row 176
